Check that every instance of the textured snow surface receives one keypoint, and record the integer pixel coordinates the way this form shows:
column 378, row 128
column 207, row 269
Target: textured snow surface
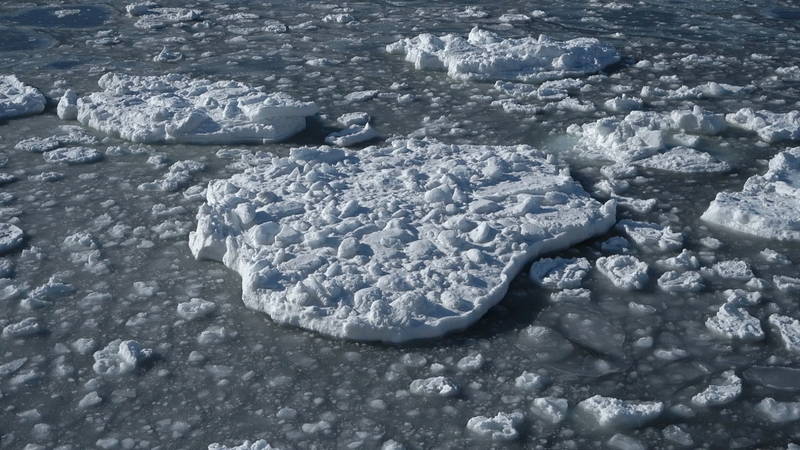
column 391, row 243
column 18, row 99
column 610, row 412
column 768, row 206
column 486, row 56
column 684, row 160
column 175, row 108
column 770, row 126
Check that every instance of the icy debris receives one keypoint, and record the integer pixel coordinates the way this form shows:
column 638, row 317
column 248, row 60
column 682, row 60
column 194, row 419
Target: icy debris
column 789, row 330
column 73, row 155
column 623, row 103
column 120, row 357
column 11, row 367
column 470, row 363
column 711, row 89
column 196, row 308
column 733, row 269
column 673, row 281
column 391, row 243
column 175, row 108
column 771, row 127
column 177, row 177
column 353, row 118
column 732, row 320
column 571, row 295
column 153, row 17
column 786, row 284
column 11, row 237
column 530, row 381
column 68, row 135
column 42, row 296
column 501, row 427
column 677, row 435
column 607, row 412
column 650, row 236
column 68, row 106
column 353, row 135
column 642, row 134
column 166, row 55
column 89, row 400
column 620, row 441
column 560, row 273
column 624, row 271
column 85, row 250
column 486, row 56
column 616, row 244
column 434, row 386
column 778, row 412
column 684, row 160
column 544, row 343
column 246, row 445
column 18, row 99
column 768, row 206
column 550, row 409
column 720, row 394
column 30, row 326
column 682, row 262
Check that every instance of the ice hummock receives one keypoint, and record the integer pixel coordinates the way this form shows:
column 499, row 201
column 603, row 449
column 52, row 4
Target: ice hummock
column 18, row 99
column 391, row 243
column 175, row 108
column 486, row 56
column 768, row 206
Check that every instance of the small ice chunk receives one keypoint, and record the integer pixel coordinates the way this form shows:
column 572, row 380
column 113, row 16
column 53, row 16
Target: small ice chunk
column 560, row 273
column 120, row 357
column 470, row 363
column 353, row 118
column 684, row 261
column 623, row 103
column 529, row 381
column 673, row 281
column 732, row 321
column 73, row 155
column 733, row 269
column 620, row 441
column 720, row 394
column 196, row 308
column 771, row 127
column 18, row 99
column 68, row 106
column 11, row 237
column 353, row 135
column 501, row 427
column 550, row 409
column 772, row 256
column 650, row 236
column 434, row 386
column 89, row 400
column 608, row 412
column 786, row 284
column 684, row 160
column 788, row 329
column 246, row 445
column 778, row 412
column 624, row 271
column 27, row 327
column 677, row 435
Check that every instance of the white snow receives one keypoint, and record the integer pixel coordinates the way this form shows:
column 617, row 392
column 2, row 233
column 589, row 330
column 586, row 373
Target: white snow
column 771, row 127
column 608, row 412
column 391, row 243
column 624, row 271
column 779, row 412
column 720, row 394
column 768, row 206
column 560, row 273
column 18, row 99
column 501, row 427
column 485, row 55
column 175, row 108
column 789, row 331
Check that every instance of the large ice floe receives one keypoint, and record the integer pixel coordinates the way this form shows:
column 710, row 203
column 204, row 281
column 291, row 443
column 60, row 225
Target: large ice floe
column 484, row 55
column 768, row 206
column 177, row 108
column 652, row 139
column 18, row 99
column 391, row 243
column 770, row 126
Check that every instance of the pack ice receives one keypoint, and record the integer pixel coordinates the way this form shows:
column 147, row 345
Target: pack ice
column 18, row 99
column 486, row 56
column 768, row 205
column 391, row 243
column 175, row 108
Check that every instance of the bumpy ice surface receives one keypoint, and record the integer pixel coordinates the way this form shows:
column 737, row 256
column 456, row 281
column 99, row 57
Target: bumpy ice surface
column 391, row 243
column 18, row 99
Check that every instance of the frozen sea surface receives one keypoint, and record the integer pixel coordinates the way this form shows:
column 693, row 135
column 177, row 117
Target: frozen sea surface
column 671, row 330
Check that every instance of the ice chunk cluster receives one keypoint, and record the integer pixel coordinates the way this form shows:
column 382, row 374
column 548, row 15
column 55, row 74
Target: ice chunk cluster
column 770, row 127
column 18, row 99
column 486, row 56
column 768, row 206
column 175, row 108
column 391, row 243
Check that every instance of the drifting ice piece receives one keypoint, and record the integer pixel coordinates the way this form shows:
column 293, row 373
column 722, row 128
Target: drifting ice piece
column 11, row 237
column 18, row 99
column 607, row 412
column 176, row 108
column 391, row 243
column 624, row 271
column 501, row 427
column 486, row 56
column 720, row 394
column 560, row 273
column 770, row 126
column 768, row 205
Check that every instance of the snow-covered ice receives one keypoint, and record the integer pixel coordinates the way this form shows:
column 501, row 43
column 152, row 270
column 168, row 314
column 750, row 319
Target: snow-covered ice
column 486, row 56
column 788, row 329
column 607, row 412
column 18, row 99
column 357, row 245
column 768, row 206
column 501, row 427
column 175, row 108
column 560, row 273
column 770, row 126
column 728, row 390
column 624, row 271
column 778, row 412
column 11, row 237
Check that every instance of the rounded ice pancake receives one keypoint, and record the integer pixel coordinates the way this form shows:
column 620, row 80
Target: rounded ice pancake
column 391, row 243
column 175, row 108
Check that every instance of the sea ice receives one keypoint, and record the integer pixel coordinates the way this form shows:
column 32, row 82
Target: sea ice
column 684, row 160
column 550, row 409
column 673, row 281
column 501, row 427
column 434, row 386
column 789, row 330
column 152, row 17
column 720, row 394
column 196, row 308
column 778, row 412
column 624, row 271
column 27, row 327
column 770, row 127
column 11, row 237
column 486, row 56
column 18, row 99
column 391, row 243
column 607, row 412
column 73, row 155
column 732, row 321
column 175, row 108
column 650, row 236
column 560, row 273
column 246, row 445
column 120, row 357
column 353, row 135
column 768, row 206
